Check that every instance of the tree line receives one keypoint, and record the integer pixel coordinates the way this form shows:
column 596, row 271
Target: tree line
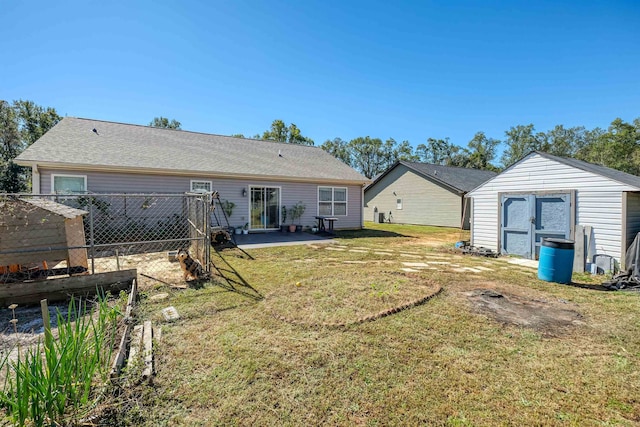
column 21, row 124
column 617, row 147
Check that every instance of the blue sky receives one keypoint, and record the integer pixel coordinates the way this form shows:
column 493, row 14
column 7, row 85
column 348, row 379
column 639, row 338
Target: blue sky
column 407, row 70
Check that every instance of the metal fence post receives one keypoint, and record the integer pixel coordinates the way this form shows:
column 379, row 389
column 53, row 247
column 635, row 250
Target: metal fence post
column 92, row 248
column 207, row 232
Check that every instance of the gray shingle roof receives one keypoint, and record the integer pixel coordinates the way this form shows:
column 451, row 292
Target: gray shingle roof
column 616, row 175
column 125, row 146
column 461, row 180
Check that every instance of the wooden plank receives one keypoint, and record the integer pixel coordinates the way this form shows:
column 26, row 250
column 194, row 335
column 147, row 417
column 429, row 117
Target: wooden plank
column 578, row 259
column 133, row 294
column 122, row 350
column 52, row 257
column 135, row 349
column 588, row 232
column 147, row 342
column 33, row 235
column 60, row 289
column 124, row 341
column 74, row 230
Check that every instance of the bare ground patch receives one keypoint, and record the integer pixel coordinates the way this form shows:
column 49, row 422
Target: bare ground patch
column 548, row 317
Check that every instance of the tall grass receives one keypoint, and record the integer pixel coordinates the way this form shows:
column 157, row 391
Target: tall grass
column 52, row 384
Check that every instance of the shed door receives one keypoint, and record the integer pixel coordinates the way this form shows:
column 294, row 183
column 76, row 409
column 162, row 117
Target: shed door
column 516, row 225
column 528, row 218
column 552, row 218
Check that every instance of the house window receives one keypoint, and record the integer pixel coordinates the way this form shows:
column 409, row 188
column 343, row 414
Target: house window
column 61, row 184
column 201, row 186
column 332, row 201
column 399, row 204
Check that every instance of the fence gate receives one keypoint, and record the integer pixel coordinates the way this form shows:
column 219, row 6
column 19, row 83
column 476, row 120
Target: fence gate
column 198, row 207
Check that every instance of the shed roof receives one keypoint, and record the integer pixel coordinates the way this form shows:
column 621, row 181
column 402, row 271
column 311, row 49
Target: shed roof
column 613, row 174
column 458, row 179
column 616, row 175
column 54, row 207
column 96, row 144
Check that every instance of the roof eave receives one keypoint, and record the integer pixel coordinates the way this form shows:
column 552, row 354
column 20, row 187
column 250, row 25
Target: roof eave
column 175, row 172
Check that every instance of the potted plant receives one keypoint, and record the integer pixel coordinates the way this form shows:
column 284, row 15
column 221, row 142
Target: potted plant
column 296, row 212
column 314, row 228
column 245, row 229
column 238, row 230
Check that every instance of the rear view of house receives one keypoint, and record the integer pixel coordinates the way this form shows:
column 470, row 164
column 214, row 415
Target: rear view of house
column 422, row 193
column 261, row 180
column 548, row 196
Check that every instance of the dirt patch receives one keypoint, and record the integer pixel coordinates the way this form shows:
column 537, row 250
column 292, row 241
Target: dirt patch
column 549, row 317
column 153, row 268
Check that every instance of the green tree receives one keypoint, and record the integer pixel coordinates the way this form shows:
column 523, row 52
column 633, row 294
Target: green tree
column 438, row 152
column 367, row 155
column 165, row 123
column 237, row 135
column 291, row 134
column 10, row 147
column 480, row 152
column 521, row 140
column 21, row 124
column 338, row 148
column 404, row 151
column 617, row 148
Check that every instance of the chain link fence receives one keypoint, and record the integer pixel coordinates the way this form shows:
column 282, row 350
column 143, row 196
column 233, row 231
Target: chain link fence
column 54, row 235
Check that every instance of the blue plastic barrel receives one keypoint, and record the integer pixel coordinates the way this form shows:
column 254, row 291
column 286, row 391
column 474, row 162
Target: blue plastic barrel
column 556, row 260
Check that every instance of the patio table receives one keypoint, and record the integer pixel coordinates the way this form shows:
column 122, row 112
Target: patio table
column 330, row 220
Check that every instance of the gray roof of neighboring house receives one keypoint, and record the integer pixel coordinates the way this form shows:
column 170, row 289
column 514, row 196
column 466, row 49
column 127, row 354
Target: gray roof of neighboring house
column 616, row 175
column 461, row 180
column 72, row 142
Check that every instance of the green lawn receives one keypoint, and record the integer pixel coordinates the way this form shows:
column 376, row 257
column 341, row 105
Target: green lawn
column 256, row 348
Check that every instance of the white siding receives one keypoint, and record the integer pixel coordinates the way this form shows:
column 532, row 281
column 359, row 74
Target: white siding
column 598, row 200
column 229, row 189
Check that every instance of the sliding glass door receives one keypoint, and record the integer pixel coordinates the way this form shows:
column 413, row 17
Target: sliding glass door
column 265, row 208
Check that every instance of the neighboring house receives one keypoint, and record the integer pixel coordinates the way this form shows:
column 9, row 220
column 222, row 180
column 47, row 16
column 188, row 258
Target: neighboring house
column 547, row 196
column 259, row 177
column 422, row 193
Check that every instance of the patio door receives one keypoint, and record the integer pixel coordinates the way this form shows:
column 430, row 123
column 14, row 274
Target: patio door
column 265, row 208
column 528, row 218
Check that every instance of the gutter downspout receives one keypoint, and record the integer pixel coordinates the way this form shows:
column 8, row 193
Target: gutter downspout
column 35, row 179
column 362, row 207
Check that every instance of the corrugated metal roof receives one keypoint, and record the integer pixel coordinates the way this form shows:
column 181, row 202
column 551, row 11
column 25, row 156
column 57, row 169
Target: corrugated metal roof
column 73, row 142
column 56, row 208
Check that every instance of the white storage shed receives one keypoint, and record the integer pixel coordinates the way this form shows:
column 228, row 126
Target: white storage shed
column 547, row 196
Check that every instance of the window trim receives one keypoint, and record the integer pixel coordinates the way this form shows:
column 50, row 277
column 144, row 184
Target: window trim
column 64, row 175
column 333, row 200
column 192, row 181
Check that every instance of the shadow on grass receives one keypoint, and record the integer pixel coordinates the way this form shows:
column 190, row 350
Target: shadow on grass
column 368, row 232
column 590, row 287
column 232, row 279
